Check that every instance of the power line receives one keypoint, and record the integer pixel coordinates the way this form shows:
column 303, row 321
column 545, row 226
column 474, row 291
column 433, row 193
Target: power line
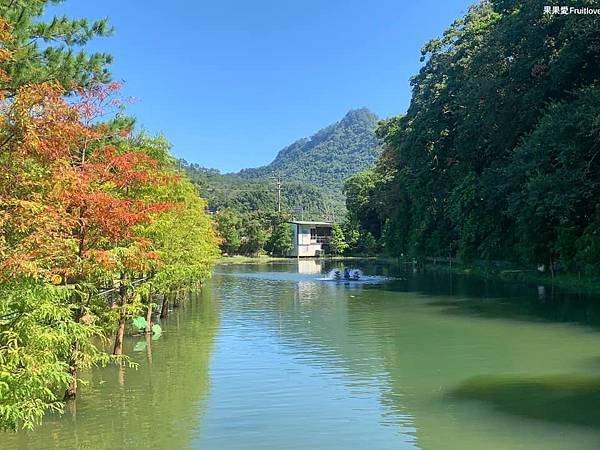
column 234, row 190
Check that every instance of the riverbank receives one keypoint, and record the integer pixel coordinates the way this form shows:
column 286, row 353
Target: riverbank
column 568, row 281
column 241, row 259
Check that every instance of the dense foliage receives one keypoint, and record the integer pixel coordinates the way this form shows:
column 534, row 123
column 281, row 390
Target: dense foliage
column 329, row 156
column 311, row 171
column 253, row 233
column 50, row 50
column 95, row 220
column 232, row 191
column 497, row 155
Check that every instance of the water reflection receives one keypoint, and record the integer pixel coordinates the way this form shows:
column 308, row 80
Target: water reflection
column 428, row 361
column 561, row 398
column 414, row 341
column 157, row 406
column 309, row 266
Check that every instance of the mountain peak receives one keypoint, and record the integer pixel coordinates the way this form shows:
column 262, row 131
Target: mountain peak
column 360, row 118
column 328, row 156
column 360, row 114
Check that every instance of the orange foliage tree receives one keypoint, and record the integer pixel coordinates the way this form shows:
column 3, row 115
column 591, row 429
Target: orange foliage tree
column 77, row 192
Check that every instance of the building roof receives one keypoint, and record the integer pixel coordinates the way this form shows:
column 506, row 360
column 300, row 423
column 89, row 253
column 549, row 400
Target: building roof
column 304, row 222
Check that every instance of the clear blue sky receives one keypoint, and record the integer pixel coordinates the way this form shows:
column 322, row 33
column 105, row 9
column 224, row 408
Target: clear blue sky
column 231, row 82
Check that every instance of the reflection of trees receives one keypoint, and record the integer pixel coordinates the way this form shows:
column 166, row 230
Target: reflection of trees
column 155, row 406
column 428, row 350
column 418, row 347
column 428, row 344
column 562, row 398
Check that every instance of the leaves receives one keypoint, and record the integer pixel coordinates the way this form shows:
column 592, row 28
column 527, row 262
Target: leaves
column 47, row 49
column 495, row 158
column 139, row 322
column 93, row 220
column 337, row 243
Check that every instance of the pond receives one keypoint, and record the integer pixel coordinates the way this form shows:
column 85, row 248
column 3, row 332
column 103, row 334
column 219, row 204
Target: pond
column 271, row 356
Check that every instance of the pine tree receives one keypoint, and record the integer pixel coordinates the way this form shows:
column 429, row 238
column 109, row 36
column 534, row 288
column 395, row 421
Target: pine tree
column 51, row 50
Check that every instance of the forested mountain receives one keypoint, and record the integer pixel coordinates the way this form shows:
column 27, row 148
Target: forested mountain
column 329, row 156
column 312, row 170
column 498, row 154
column 303, row 182
column 232, row 191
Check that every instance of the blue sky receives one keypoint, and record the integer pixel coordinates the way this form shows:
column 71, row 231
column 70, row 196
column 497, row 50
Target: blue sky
column 231, row 82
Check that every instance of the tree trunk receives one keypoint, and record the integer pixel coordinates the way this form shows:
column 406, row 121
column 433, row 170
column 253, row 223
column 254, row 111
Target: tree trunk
column 118, row 348
column 71, row 391
column 112, row 296
column 178, row 298
column 148, row 349
column 148, row 328
column 164, row 312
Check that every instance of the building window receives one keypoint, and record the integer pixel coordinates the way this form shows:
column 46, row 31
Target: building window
column 323, row 235
column 313, row 234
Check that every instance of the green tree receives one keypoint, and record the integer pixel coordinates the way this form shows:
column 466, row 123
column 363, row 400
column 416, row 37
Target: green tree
column 351, row 231
column 588, row 245
column 337, row 244
column 496, row 155
column 280, row 242
column 556, row 176
column 78, row 198
column 361, row 201
column 255, row 236
column 52, row 49
column 229, row 226
column 367, row 244
column 37, row 329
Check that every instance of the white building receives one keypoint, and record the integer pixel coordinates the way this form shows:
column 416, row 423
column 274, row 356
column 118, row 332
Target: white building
column 310, row 238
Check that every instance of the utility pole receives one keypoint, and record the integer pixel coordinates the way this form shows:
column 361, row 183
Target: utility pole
column 279, row 195
column 278, row 189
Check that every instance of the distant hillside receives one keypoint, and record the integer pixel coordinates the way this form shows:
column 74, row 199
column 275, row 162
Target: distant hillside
column 312, row 170
column 329, row 156
column 232, row 191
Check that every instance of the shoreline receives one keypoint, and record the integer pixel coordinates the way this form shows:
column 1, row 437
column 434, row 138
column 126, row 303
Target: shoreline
column 571, row 282
column 240, row 259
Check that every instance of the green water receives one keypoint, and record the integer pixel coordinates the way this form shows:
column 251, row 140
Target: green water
column 271, row 357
